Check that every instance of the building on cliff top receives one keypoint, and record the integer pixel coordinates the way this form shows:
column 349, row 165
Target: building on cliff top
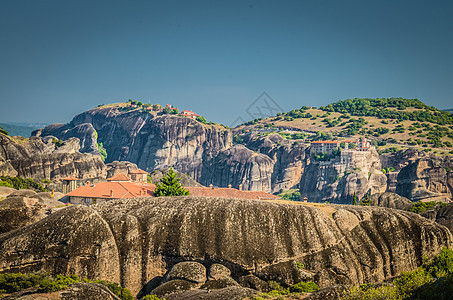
column 189, row 114
column 362, row 144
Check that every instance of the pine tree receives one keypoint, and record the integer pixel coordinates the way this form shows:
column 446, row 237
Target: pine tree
column 169, row 185
column 366, row 201
column 354, row 199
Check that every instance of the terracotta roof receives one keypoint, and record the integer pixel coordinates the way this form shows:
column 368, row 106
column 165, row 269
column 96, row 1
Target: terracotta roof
column 119, row 177
column 229, row 193
column 69, row 178
column 119, row 190
column 139, row 171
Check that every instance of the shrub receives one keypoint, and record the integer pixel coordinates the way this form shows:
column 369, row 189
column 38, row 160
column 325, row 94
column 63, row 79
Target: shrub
column 304, row 287
column 152, row 297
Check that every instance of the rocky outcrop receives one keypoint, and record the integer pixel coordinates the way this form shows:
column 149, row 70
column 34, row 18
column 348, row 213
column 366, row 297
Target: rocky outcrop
column 117, row 167
column 19, row 211
column 428, row 178
column 444, row 216
column 337, row 180
column 190, row 147
column 391, row 200
column 138, row 241
column 42, row 159
column 240, row 165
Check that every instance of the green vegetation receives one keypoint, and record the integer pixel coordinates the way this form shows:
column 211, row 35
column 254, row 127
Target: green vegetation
column 3, row 131
column 202, row 120
column 295, row 290
column 324, row 156
column 354, row 199
column 169, row 185
column 58, row 143
column 433, row 280
column 381, row 108
column 419, row 207
column 293, row 195
column 15, row 282
column 102, row 151
column 152, row 297
column 21, row 183
column 366, row 201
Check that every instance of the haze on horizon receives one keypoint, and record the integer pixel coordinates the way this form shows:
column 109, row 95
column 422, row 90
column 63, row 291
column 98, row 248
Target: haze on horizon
column 60, row 58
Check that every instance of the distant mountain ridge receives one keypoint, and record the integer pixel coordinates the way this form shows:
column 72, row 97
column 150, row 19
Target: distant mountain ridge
column 21, row 129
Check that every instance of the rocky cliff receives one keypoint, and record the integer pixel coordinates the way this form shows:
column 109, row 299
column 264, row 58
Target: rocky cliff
column 137, row 241
column 337, row 180
column 427, row 178
column 43, row 158
column 158, row 142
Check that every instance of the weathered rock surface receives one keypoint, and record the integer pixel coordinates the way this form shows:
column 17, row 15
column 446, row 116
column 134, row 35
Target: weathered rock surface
column 230, row 293
column 173, row 286
column 87, row 291
column 337, row 180
column 391, row 200
column 134, row 241
column 188, row 270
column 117, row 167
column 218, row 271
column 445, row 217
column 41, row 159
column 427, row 178
column 19, row 211
column 159, row 142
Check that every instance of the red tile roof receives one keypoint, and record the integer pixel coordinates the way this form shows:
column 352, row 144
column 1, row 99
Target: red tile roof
column 119, row 177
column 69, row 178
column 119, row 190
column 229, row 193
column 139, row 171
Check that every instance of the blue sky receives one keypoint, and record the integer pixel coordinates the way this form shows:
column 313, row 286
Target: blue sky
column 59, row 58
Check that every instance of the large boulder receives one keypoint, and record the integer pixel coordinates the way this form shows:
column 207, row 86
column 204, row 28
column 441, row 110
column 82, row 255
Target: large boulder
column 391, row 200
column 134, row 241
column 188, row 270
column 19, row 211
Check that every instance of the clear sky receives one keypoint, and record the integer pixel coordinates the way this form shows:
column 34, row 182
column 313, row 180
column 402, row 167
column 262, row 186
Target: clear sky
column 59, row 58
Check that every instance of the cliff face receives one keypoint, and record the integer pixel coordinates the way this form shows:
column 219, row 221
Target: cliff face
column 429, row 178
column 136, row 241
column 41, row 159
column 158, row 142
column 336, row 180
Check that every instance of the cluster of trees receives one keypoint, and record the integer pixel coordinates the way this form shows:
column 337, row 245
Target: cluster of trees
column 290, row 195
column 21, row 183
column 324, row 156
column 16, row 282
column 433, row 280
column 380, row 108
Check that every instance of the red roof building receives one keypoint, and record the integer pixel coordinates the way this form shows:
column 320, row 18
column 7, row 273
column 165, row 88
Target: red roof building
column 189, row 113
column 103, row 191
column 119, row 177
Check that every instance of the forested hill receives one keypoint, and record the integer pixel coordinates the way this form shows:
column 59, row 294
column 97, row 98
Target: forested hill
column 391, row 108
column 407, row 122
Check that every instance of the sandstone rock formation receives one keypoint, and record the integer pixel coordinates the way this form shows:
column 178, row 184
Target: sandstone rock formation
column 43, row 159
column 427, row 178
column 391, row 200
column 137, row 241
column 337, row 180
column 19, row 211
column 159, row 142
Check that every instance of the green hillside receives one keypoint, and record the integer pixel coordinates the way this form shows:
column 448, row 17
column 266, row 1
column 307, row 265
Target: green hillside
column 404, row 122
